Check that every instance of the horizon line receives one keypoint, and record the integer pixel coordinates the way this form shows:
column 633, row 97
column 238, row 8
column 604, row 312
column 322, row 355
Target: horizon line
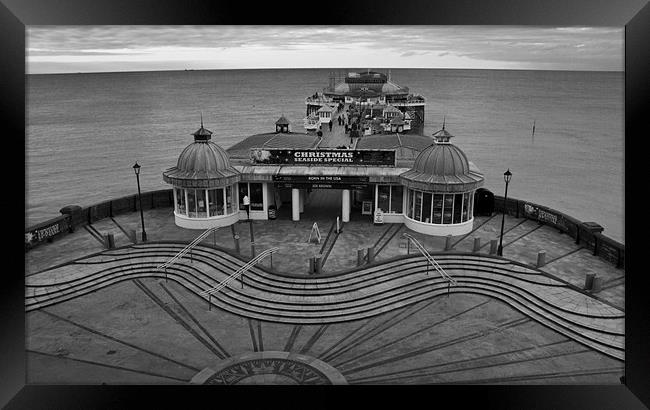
column 318, row 68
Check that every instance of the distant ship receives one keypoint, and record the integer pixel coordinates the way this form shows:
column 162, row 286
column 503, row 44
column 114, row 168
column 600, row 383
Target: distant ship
column 375, row 99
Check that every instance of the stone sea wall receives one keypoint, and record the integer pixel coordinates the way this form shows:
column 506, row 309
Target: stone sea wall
column 587, row 234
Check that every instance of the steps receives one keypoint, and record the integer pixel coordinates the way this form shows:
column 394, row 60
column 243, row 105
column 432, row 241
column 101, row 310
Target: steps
column 352, row 295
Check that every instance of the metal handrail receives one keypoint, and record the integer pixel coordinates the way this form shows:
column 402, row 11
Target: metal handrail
column 187, row 248
column 238, row 272
column 433, row 262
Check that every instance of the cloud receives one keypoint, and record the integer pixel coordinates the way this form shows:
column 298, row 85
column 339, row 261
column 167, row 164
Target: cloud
column 600, row 48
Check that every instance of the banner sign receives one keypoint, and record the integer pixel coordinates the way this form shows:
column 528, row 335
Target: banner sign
column 333, row 157
column 540, row 214
column 46, row 231
column 320, row 181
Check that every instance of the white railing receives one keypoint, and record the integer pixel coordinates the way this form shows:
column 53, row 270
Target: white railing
column 187, row 248
column 430, row 259
column 238, row 272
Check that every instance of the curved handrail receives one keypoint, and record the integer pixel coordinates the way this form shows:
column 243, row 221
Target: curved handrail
column 187, row 248
column 433, row 262
column 239, row 272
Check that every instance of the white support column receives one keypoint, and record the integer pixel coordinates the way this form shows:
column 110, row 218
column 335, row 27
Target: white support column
column 301, row 200
column 265, row 200
column 377, row 199
column 345, row 204
column 175, row 200
column 207, row 203
column 187, row 203
column 295, row 204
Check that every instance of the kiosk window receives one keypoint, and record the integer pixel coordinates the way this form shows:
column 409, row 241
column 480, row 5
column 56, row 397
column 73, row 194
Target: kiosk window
column 383, row 196
column 437, row 208
column 180, row 201
column 426, row 207
column 229, row 204
column 257, row 201
column 458, row 203
column 396, row 192
column 448, row 206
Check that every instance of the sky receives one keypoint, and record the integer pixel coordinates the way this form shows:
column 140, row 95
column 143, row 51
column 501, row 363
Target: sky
column 65, row 49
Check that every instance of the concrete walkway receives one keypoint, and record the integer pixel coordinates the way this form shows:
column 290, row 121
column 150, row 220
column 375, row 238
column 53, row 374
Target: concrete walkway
column 337, row 137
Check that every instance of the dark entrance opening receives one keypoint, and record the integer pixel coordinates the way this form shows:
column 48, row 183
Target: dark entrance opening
column 317, row 203
column 483, row 202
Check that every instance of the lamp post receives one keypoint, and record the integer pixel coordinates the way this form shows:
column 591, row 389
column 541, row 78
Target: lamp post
column 136, row 169
column 506, row 177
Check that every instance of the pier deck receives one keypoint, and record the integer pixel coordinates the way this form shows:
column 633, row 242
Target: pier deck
column 148, row 330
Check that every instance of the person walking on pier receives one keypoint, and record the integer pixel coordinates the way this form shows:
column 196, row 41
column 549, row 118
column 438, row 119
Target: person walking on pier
column 330, row 126
column 247, row 205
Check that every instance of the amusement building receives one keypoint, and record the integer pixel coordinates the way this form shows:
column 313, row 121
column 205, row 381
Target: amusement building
column 427, row 183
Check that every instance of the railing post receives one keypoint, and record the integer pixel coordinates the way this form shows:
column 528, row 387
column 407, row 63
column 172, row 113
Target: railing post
column 448, row 242
column 541, row 259
column 360, row 256
column 477, row 244
column 493, row 246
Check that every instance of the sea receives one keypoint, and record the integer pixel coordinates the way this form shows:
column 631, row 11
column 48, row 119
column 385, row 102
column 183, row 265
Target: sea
column 85, row 131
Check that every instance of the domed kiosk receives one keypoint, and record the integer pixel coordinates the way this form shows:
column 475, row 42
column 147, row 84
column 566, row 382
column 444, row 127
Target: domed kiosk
column 440, row 189
column 205, row 185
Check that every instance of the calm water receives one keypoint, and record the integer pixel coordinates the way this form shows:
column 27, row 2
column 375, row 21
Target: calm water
column 85, row 131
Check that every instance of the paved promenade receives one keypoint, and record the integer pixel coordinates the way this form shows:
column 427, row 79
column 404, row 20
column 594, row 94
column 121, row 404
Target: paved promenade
column 507, row 324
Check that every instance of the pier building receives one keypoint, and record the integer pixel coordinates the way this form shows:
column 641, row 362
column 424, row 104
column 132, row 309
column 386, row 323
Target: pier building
column 427, row 183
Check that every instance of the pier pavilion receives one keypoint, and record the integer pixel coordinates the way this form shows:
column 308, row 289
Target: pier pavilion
column 427, row 183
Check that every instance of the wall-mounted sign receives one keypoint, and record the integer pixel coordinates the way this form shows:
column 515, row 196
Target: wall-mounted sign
column 320, row 181
column 333, row 157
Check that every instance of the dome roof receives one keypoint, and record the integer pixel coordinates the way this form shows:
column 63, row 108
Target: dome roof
column 202, row 164
column 442, row 160
column 203, row 156
column 442, row 167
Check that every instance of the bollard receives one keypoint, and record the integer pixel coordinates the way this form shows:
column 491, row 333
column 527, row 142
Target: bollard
column 133, row 236
column 477, row 244
column 360, row 256
column 110, row 240
column 596, row 284
column 589, row 281
column 493, row 246
column 236, row 238
column 541, row 258
column 312, row 265
column 371, row 254
column 318, row 263
column 448, row 243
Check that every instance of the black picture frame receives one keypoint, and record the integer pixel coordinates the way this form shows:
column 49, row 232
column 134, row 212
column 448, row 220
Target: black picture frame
column 633, row 14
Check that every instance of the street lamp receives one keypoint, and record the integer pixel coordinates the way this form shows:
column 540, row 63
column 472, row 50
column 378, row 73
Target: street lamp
column 506, row 177
column 136, row 169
